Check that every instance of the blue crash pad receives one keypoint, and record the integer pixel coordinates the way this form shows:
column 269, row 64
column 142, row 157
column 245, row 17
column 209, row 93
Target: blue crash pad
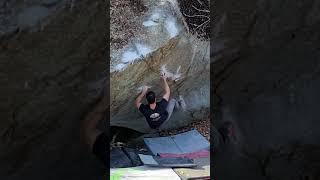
column 186, row 142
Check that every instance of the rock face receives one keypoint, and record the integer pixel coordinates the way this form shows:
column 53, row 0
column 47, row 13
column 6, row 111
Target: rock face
column 31, row 15
column 266, row 66
column 49, row 77
column 161, row 46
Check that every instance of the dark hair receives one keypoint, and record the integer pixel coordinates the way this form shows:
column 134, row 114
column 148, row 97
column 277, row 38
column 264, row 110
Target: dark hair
column 151, row 97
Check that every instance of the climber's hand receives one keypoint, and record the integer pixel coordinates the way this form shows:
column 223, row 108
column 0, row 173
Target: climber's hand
column 163, row 76
column 145, row 89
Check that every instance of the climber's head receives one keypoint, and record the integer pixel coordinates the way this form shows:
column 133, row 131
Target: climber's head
column 151, row 97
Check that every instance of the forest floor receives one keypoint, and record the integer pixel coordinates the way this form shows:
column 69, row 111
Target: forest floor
column 202, row 125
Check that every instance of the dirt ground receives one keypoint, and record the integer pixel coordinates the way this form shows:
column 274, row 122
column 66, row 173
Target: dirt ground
column 202, row 125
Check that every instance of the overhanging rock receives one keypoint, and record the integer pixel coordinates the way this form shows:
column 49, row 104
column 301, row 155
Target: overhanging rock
column 163, row 45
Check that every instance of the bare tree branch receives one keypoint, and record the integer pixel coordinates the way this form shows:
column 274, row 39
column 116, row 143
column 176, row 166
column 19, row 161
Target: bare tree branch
column 206, row 22
column 202, row 10
column 192, row 16
column 197, row 17
column 200, row 2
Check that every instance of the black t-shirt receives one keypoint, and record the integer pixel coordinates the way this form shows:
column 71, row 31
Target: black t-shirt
column 157, row 116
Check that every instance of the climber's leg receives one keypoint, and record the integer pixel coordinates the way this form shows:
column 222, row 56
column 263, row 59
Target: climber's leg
column 171, row 106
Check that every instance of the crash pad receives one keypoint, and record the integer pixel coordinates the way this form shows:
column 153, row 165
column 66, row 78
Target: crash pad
column 132, row 154
column 118, row 159
column 143, row 173
column 202, row 171
column 148, row 160
column 201, row 158
column 193, row 155
column 157, row 161
column 186, row 142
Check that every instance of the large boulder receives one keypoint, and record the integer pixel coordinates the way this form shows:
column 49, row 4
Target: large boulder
column 162, row 44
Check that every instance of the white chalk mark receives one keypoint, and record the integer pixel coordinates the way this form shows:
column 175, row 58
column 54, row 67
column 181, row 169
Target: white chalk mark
column 129, row 56
column 153, row 20
column 139, row 51
column 149, row 23
column 171, row 27
column 120, row 67
column 139, row 89
column 177, row 72
column 143, row 50
column 174, row 77
column 155, row 17
column 164, row 70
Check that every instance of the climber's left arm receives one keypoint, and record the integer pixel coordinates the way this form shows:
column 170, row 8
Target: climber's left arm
column 140, row 97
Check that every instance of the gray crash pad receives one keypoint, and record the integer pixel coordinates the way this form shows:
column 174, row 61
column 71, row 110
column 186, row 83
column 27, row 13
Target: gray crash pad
column 132, row 154
column 186, row 142
column 118, row 159
column 157, row 161
column 124, row 157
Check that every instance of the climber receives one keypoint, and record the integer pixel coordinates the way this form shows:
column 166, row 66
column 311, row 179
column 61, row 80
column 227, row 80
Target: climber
column 157, row 113
column 96, row 139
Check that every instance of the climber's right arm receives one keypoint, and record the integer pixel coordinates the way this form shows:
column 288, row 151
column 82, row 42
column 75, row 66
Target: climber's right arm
column 166, row 87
